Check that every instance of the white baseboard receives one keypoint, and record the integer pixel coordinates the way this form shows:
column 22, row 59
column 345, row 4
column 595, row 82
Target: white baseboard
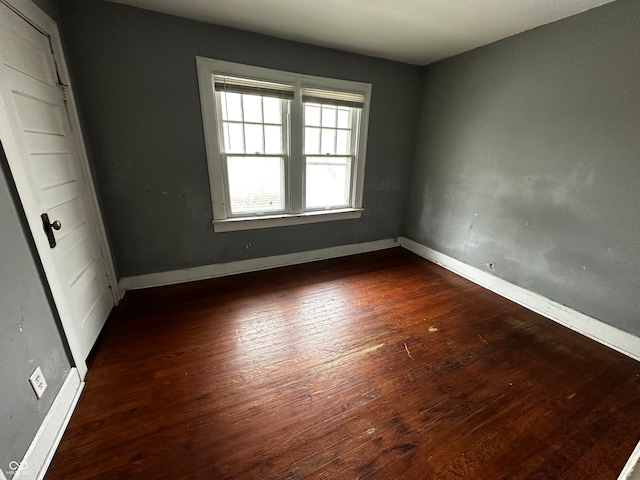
column 597, row 330
column 251, row 265
column 631, row 470
column 40, row 452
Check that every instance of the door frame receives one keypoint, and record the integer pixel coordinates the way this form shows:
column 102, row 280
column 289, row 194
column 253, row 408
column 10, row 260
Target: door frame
column 42, row 22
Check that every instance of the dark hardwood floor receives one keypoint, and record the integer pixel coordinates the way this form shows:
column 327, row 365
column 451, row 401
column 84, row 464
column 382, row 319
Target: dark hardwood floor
column 379, row 365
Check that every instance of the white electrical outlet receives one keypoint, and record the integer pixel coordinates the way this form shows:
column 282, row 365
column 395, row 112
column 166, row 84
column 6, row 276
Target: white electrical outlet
column 38, row 382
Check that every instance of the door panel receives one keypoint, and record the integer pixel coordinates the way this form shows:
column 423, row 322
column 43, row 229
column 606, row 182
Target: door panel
column 42, row 157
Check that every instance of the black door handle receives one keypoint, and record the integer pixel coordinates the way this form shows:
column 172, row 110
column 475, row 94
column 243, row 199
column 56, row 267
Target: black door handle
column 49, row 228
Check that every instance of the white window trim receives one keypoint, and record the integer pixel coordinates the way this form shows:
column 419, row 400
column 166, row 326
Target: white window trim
column 206, row 68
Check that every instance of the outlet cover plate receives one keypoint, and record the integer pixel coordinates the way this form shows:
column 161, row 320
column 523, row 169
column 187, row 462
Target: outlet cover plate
column 38, row 382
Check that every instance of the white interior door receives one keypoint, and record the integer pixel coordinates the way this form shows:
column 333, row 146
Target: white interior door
column 41, row 151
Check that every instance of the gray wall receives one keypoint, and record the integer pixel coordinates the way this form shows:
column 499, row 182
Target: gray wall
column 528, row 157
column 29, row 335
column 50, row 7
column 135, row 77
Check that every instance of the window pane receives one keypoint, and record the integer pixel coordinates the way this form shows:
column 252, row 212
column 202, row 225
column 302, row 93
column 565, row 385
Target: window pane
column 234, row 137
column 311, row 141
column 252, row 107
column 328, row 146
column 253, row 138
column 328, row 182
column 343, row 146
column 256, row 184
column 273, row 139
column 328, row 116
column 312, row 115
column 272, row 110
column 231, row 106
column 344, row 119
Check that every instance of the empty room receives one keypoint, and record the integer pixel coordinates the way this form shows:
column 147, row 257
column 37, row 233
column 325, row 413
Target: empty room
column 293, row 239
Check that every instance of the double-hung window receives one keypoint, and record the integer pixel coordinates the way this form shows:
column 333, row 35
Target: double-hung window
column 252, row 123
column 282, row 148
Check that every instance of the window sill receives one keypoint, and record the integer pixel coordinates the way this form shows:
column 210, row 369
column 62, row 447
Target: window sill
column 252, row 223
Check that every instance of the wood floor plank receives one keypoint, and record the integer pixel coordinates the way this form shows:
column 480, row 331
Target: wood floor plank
column 379, row 365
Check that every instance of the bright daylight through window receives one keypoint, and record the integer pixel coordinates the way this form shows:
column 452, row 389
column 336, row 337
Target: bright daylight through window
column 282, row 148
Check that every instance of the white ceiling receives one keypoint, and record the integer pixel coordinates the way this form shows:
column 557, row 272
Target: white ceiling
column 412, row 31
